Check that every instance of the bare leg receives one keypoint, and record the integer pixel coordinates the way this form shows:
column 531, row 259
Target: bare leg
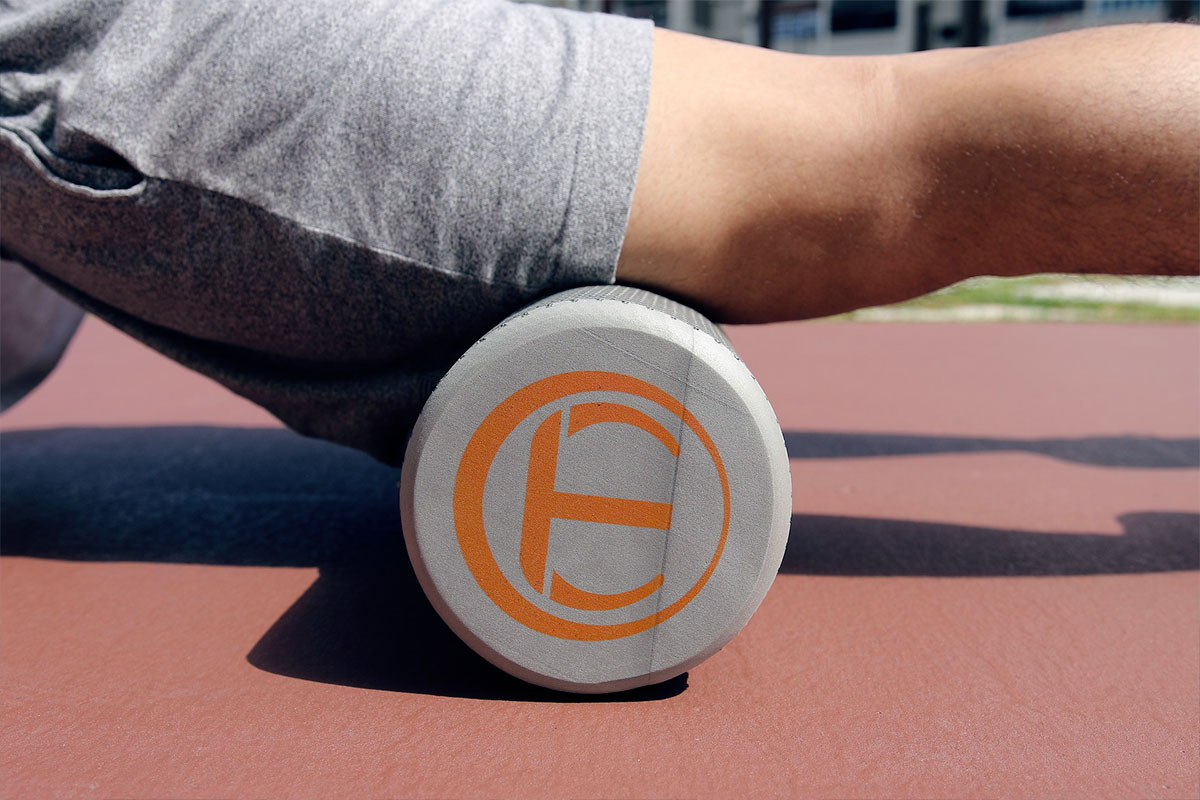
column 778, row 186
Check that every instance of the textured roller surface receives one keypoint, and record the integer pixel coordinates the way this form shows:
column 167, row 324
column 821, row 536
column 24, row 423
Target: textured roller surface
column 596, row 496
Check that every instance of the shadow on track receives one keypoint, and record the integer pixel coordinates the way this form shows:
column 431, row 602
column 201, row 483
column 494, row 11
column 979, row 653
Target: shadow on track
column 1146, row 452
column 268, row 497
column 827, row 545
column 238, row 496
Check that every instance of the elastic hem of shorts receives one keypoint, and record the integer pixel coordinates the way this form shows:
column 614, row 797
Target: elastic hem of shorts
column 609, row 151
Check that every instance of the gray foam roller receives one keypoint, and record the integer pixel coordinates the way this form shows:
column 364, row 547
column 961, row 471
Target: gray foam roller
column 596, row 496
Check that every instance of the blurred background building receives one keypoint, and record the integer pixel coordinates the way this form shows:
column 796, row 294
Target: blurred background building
column 869, row 27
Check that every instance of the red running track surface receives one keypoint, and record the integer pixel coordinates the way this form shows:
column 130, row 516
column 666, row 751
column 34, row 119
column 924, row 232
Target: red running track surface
column 991, row 589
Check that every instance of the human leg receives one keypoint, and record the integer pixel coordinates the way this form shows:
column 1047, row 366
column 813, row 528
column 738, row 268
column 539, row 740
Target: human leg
column 222, row 227
column 319, row 204
column 778, row 186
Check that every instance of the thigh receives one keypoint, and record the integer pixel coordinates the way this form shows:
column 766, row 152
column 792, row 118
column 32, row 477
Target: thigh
column 319, row 203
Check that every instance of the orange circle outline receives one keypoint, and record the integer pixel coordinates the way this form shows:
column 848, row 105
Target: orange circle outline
column 471, row 479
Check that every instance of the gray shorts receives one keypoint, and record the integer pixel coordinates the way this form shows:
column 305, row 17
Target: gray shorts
column 318, row 203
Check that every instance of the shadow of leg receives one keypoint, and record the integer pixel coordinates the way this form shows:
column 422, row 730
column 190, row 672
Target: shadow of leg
column 827, row 545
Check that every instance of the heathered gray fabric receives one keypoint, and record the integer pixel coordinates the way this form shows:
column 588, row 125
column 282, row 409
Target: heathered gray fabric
column 319, row 203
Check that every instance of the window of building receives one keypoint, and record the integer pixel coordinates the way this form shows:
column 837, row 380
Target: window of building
column 858, row 15
column 1041, row 8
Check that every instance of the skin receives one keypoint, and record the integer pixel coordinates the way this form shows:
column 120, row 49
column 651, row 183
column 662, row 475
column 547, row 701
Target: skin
column 777, row 186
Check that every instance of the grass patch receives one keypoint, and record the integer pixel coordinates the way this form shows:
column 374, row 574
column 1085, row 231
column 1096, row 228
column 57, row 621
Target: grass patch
column 1050, row 298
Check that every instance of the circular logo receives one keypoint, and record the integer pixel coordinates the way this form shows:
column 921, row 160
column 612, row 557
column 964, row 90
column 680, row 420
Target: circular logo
column 544, row 503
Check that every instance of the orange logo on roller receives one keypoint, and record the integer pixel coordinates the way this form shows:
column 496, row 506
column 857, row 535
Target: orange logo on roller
column 544, row 503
